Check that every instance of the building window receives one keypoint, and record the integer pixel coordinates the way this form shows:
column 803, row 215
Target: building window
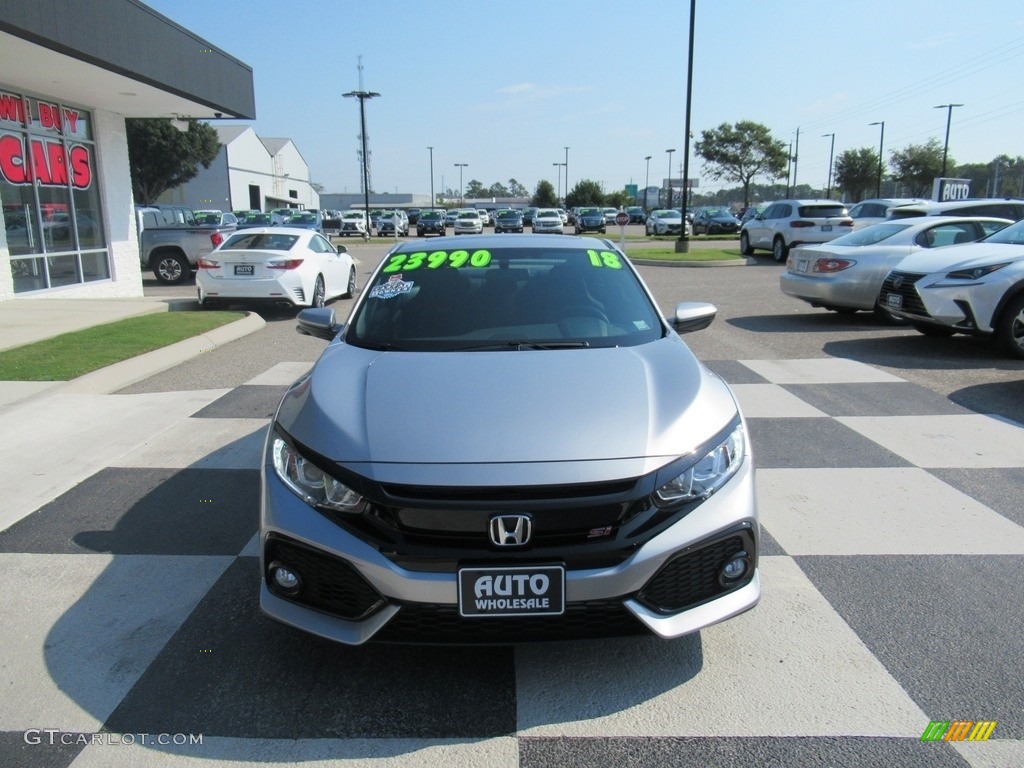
column 50, row 199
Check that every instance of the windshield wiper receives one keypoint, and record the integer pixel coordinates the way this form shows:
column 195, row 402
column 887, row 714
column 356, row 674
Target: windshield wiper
column 517, row 345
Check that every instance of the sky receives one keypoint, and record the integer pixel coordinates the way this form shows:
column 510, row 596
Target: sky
column 506, row 87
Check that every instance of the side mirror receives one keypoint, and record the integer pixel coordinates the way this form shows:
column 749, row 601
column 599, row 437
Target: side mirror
column 318, row 322
column 692, row 316
column 341, row 249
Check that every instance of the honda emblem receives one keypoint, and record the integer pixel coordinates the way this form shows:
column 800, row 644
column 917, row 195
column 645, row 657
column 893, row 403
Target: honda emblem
column 510, row 530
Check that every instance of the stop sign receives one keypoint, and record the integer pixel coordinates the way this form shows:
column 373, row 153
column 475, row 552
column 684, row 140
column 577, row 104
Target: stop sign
column 622, row 218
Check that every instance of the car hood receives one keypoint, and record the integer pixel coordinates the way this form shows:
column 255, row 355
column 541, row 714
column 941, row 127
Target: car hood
column 933, row 260
column 571, row 410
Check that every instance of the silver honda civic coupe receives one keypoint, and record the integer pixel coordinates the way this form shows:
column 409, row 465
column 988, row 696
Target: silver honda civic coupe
column 507, row 442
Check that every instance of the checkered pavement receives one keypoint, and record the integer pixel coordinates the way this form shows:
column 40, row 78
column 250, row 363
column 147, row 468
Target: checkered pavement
column 893, row 544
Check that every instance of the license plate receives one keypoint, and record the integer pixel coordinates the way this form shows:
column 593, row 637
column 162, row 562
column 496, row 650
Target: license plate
column 894, row 301
column 243, row 270
column 826, row 227
column 513, row 591
column 801, row 266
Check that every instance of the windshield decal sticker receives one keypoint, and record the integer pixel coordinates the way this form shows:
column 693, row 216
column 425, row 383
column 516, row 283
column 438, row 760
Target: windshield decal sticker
column 604, row 259
column 409, row 261
column 393, row 287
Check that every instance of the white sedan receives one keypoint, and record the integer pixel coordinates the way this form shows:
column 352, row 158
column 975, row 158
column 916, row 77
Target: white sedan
column 276, row 265
column 846, row 274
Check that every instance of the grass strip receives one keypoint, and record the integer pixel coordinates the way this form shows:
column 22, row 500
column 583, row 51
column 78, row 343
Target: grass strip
column 669, row 254
column 71, row 355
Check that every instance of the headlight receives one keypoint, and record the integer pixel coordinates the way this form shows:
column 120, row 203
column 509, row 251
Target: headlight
column 706, row 475
column 310, row 483
column 975, row 273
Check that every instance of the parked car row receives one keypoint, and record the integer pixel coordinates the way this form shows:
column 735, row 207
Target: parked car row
column 941, row 274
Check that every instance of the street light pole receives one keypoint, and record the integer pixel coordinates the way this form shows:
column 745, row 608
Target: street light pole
column 683, row 243
column 431, row 176
column 881, row 147
column 558, row 186
column 668, row 197
column 566, row 171
column 828, row 194
column 949, row 117
column 363, row 96
column 462, row 196
column 647, row 182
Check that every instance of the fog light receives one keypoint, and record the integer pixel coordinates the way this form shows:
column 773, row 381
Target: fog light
column 285, row 579
column 735, row 568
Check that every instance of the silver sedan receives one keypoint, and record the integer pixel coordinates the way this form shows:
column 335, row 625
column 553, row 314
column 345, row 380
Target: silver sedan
column 846, row 274
column 505, row 441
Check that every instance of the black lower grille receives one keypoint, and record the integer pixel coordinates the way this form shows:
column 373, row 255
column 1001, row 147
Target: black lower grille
column 328, row 584
column 903, row 284
column 423, row 623
column 693, row 577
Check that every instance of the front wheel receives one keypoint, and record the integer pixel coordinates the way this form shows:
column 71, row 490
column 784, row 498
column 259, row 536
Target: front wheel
column 779, row 250
column 350, row 290
column 745, row 248
column 319, row 293
column 1010, row 327
column 171, row 269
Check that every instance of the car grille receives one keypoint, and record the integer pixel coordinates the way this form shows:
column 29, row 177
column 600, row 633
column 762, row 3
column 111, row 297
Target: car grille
column 693, row 577
column 329, row 584
column 441, row 624
column 907, row 281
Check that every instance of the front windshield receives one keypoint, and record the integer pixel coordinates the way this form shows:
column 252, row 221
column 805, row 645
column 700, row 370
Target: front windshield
column 1013, row 235
column 876, row 233
column 503, row 299
column 668, row 214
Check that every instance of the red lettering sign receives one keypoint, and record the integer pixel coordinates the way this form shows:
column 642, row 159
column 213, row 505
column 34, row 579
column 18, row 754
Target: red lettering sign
column 12, row 108
column 12, row 160
column 51, row 163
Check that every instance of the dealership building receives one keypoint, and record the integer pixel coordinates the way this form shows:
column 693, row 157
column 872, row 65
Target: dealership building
column 70, row 73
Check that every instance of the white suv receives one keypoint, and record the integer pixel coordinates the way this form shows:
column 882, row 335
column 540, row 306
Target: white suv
column 1000, row 207
column 976, row 288
column 786, row 223
column 468, row 222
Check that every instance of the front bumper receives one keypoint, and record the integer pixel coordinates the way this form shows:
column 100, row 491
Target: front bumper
column 669, row 586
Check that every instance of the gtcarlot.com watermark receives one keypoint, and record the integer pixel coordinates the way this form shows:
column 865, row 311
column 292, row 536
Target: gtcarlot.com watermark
column 52, row 736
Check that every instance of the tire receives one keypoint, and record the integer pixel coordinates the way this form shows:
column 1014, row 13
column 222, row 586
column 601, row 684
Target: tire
column 171, row 269
column 317, row 300
column 350, row 291
column 779, row 250
column 745, row 248
column 1010, row 327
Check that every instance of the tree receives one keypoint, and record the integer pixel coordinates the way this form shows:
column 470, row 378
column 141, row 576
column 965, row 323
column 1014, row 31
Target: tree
column 161, row 157
column 475, row 190
column 545, row 196
column 586, row 192
column 498, row 190
column 741, row 152
column 618, row 199
column 515, row 189
column 917, row 166
column 857, row 172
